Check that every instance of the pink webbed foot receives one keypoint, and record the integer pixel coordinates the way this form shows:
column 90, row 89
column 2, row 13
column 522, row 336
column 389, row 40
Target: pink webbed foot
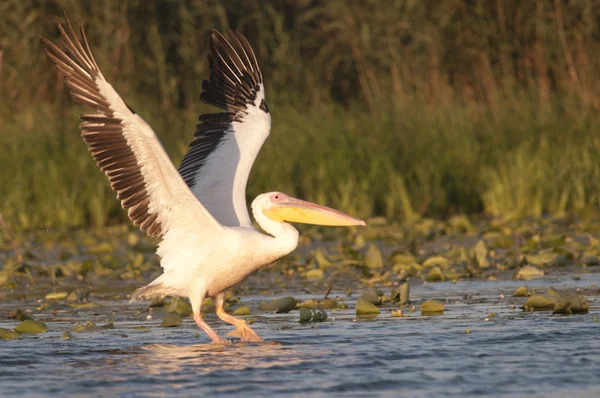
column 245, row 333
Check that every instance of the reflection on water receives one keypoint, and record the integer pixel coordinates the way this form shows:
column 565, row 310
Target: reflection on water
column 207, row 358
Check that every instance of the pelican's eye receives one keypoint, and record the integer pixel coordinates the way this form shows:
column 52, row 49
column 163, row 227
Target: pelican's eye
column 277, row 197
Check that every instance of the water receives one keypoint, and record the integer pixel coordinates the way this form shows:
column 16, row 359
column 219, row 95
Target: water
column 514, row 353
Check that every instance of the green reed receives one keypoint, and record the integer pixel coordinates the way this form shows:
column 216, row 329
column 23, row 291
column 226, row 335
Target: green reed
column 401, row 108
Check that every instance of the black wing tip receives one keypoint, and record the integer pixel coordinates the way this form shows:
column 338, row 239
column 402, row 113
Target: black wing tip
column 217, row 38
column 215, row 34
column 235, row 76
column 230, row 33
column 102, row 131
column 220, row 38
column 236, row 46
column 70, row 34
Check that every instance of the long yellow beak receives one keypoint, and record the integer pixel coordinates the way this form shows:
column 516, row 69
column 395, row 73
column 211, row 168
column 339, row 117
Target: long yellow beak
column 296, row 210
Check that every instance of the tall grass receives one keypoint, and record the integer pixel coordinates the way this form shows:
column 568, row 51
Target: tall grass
column 397, row 108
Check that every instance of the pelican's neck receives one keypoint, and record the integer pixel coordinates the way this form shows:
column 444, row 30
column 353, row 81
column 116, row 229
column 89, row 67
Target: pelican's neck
column 284, row 234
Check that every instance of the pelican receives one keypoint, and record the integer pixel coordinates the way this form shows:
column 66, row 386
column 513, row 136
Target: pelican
column 207, row 240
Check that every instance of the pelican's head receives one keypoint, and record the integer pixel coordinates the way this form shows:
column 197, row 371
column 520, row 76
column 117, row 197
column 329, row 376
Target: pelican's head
column 281, row 207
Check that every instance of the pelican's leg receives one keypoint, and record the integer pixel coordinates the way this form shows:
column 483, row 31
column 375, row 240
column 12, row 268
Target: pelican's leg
column 197, row 307
column 243, row 331
column 209, row 331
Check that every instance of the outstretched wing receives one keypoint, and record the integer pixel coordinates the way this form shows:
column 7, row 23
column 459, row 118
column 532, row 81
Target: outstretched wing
column 225, row 145
column 125, row 147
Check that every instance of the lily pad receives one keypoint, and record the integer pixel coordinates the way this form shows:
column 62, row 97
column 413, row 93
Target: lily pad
column 436, row 261
column 7, row 334
column 156, row 302
column 245, row 310
column 89, row 326
column 321, row 259
column 308, row 304
column 359, row 242
column 170, row 321
column 83, row 306
column 363, row 307
column 78, row 295
column 529, row 272
column 374, row 259
column 330, row 304
column 30, row 326
column 481, row 254
column 314, row 274
column 207, row 305
column 231, row 298
column 281, row 305
column 372, row 297
column 435, row 275
column 401, row 294
column 578, row 303
column 432, row 307
column 522, row 291
column 79, row 328
column 546, row 259
column 562, row 307
column 180, row 307
column 403, row 258
column 56, row 296
column 312, row 315
column 553, row 292
column 542, row 302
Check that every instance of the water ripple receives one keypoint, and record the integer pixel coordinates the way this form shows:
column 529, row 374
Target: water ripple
column 515, row 353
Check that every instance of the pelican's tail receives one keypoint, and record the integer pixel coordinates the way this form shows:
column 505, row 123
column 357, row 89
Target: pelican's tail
column 148, row 292
column 161, row 287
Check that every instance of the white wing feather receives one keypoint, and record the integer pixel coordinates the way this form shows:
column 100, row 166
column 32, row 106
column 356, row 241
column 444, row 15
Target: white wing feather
column 220, row 158
column 221, row 183
column 138, row 167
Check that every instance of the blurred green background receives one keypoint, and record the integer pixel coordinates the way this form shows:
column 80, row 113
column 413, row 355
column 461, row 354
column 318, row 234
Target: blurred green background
column 402, row 108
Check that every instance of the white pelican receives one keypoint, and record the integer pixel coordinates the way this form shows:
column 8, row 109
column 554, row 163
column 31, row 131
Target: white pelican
column 208, row 243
